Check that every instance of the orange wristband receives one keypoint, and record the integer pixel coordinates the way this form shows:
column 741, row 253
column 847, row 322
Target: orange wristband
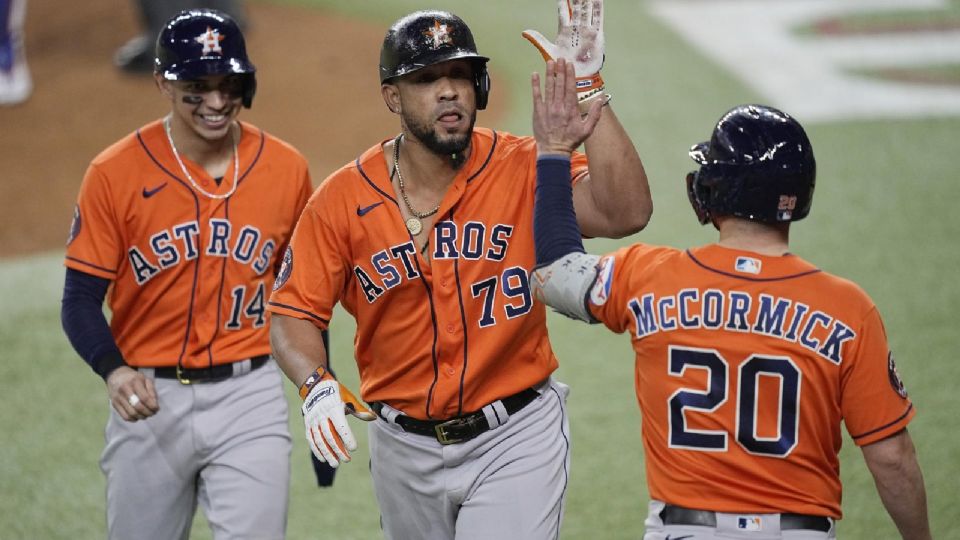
column 589, row 85
column 319, row 374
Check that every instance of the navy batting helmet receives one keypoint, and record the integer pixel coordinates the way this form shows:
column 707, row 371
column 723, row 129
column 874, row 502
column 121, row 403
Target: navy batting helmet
column 424, row 38
column 758, row 165
column 200, row 42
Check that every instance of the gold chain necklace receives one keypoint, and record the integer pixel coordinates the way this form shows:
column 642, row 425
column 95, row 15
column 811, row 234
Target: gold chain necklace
column 413, row 224
column 236, row 165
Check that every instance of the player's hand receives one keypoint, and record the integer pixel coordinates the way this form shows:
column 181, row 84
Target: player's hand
column 579, row 40
column 558, row 126
column 326, row 425
column 132, row 395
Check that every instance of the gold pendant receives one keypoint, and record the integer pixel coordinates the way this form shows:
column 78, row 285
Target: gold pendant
column 414, row 226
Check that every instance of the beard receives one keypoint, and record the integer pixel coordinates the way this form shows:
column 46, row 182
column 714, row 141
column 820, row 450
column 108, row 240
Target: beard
column 453, row 146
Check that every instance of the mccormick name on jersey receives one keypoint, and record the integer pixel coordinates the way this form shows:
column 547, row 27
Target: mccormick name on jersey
column 181, row 242
column 737, row 311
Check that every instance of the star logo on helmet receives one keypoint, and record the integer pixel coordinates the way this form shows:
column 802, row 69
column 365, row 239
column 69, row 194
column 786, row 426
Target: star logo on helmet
column 438, row 35
column 210, row 40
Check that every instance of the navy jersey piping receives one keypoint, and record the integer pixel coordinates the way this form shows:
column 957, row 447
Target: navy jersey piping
column 313, row 316
column 433, row 321
column 223, row 265
column 746, row 278
column 366, row 178
column 486, row 161
column 91, row 265
column 463, row 324
column 196, row 263
column 426, row 287
column 885, row 426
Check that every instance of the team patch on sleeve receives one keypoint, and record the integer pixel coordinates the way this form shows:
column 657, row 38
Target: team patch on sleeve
column 74, row 225
column 601, row 287
column 895, row 381
column 286, row 268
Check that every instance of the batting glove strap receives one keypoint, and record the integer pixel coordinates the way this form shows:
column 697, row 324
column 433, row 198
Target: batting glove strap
column 319, row 374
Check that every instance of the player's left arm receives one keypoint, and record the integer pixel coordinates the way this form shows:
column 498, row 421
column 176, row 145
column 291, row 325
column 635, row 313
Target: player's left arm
column 613, row 198
column 564, row 271
column 896, row 472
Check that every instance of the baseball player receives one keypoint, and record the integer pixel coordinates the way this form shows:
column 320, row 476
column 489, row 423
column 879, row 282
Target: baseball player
column 184, row 221
column 748, row 358
column 425, row 239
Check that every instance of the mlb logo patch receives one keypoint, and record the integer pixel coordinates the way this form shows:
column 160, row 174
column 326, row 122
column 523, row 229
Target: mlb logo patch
column 749, row 523
column 747, row 265
column 601, row 288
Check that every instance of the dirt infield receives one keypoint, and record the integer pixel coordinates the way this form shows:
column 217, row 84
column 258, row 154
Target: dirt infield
column 317, row 89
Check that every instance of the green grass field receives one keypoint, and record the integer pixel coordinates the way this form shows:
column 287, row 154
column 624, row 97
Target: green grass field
column 883, row 216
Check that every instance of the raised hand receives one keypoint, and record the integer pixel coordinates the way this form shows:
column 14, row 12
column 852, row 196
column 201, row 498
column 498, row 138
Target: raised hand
column 579, row 37
column 558, row 126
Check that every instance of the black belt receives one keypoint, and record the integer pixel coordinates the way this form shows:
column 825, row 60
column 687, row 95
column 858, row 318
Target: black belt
column 676, row 515
column 207, row 374
column 462, row 428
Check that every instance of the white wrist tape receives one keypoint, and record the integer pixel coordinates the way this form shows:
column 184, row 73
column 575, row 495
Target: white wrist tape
column 565, row 283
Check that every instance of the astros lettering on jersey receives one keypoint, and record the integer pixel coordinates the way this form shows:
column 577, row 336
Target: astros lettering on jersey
column 438, row 360
column 744, row 378
column 180, row 261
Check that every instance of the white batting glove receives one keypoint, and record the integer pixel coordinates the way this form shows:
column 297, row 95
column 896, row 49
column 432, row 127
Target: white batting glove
column 326, row 423
column 579, row 40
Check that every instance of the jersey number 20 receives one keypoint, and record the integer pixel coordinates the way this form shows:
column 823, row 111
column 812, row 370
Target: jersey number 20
column 747, row 402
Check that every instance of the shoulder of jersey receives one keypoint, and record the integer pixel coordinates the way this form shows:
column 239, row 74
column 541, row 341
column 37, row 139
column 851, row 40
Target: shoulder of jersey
column 655, row 256
column 152, row 135
column 835, row 286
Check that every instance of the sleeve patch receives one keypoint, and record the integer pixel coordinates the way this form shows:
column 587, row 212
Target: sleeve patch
column 74, row 225
column 601, row 287
column 895, row 381
column 286, row 268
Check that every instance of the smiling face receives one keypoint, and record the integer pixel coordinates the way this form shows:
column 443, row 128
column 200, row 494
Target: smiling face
column 437, row 105
column 205, row 108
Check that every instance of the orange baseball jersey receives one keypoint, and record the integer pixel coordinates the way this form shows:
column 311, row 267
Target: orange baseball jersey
column 746, row 365
column 190, row 273
column 440, row 336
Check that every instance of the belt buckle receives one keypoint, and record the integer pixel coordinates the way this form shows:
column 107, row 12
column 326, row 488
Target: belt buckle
column 181, row 378
column 441, row 430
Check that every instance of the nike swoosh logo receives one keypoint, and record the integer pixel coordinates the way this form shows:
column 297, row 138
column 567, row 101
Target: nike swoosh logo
column 679, row 537
column 363, row 211
column 147, row 193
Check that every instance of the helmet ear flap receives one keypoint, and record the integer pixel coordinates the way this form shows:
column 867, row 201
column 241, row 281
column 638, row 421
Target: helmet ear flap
column 697, row 193
column 481, row 85
column 249, row 89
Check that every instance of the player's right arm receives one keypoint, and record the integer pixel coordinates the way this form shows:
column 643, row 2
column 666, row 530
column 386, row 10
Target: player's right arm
column 298, row 348
column 87, row 329
column 296, row 335
column 94, row 238
column 896, row 472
